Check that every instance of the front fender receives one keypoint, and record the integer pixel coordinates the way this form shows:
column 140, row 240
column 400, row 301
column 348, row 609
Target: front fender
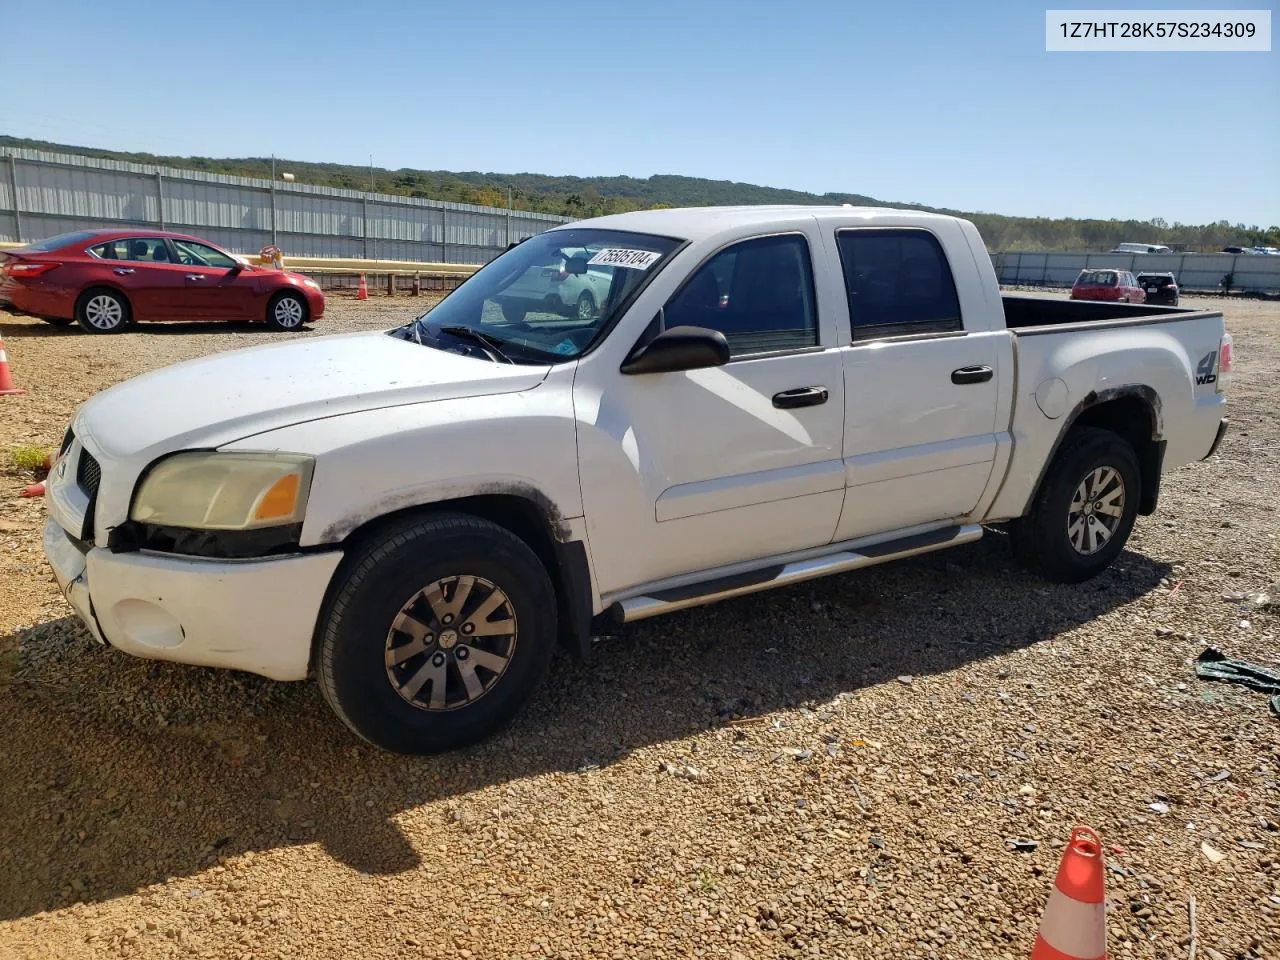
column 373, row 463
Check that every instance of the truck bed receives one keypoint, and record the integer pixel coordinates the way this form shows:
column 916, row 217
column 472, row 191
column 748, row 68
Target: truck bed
column 1025, row 313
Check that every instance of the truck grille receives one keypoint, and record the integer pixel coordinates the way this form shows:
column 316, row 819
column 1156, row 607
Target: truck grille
column 88, row 474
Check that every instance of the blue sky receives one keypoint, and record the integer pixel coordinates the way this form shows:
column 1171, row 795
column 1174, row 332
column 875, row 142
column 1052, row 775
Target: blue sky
column 950, row 104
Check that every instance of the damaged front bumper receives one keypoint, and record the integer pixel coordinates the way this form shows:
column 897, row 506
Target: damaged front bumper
column 254, row 615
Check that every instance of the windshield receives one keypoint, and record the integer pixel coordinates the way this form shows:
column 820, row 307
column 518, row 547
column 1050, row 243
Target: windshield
column 547, row 298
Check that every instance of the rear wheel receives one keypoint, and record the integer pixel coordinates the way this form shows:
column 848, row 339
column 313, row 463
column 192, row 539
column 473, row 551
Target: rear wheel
column 287, row 311
column 586, row 307
column 1084, row 512
column 437, row 633
column 102, row 311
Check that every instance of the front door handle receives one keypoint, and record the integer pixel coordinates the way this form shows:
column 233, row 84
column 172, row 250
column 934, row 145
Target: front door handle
column 124, row 271
column 980, row 374
column 800, row 397
column 195, row 276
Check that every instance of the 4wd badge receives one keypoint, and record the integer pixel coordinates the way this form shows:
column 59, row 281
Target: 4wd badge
column 1207, row 369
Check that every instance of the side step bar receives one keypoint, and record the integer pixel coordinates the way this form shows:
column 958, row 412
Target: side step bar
column 657, row 602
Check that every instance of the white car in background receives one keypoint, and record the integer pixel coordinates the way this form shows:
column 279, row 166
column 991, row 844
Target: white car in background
column 555, row 288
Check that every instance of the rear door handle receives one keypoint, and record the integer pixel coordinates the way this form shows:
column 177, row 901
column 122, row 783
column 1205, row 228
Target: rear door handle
column 978, row 374
column 800, row 397
column 124, row 271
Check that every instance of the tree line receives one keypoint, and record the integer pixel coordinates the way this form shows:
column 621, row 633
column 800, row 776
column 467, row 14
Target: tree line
column 581, row 197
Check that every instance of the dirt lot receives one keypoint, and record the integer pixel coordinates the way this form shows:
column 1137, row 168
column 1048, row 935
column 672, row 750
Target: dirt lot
column 833, row 770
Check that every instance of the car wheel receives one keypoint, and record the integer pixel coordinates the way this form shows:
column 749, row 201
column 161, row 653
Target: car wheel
column 287, row 311
column 102, row 311
column 1084, row 512
column 586, row 306
column 513, row 312
column 436, row 634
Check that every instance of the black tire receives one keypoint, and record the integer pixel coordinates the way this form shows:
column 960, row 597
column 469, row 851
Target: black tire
column 1041, row 539
column 103, row 310
column 585, row 308
column 513, row 312
column 380, row 580
column 59, row 321
column 287, row 312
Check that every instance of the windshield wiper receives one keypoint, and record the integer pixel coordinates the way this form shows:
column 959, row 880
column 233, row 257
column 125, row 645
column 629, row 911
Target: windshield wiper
column 484, row 339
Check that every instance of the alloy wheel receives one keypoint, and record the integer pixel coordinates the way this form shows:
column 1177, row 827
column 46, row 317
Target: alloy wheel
column 104, row 312
column 1096, row 510
column 450, row 643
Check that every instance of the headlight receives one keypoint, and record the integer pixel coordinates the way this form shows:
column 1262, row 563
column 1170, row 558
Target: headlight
column 308, row 282
column 224, row 491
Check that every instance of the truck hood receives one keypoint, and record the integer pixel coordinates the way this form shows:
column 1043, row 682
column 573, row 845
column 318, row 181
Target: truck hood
column 215, row 400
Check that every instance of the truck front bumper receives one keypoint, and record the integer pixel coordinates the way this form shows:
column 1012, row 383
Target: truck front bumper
column 254, row 615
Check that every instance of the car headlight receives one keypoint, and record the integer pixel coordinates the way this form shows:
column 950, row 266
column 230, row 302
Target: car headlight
column 224, row 491
column 308, row 282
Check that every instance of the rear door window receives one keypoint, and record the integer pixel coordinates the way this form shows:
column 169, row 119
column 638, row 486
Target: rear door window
column 898, row 282
column 137, row 249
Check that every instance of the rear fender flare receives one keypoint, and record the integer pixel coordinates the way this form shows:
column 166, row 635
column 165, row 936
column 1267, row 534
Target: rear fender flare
column 1150, row 462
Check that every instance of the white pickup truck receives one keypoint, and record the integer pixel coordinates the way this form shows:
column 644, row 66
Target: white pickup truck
column 765, row 395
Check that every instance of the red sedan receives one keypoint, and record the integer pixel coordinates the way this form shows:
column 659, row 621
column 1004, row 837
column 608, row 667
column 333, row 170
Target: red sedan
column 106, row 279
column 1107, row 285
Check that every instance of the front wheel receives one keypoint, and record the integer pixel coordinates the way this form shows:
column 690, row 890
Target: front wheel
column 1083, row 514
column 436, row 634
column 586, row 306
column 287, row 311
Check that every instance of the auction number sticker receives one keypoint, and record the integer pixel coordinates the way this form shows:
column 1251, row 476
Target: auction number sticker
column 621, row 257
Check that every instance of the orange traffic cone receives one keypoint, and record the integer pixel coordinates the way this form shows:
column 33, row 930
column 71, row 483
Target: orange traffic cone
column 1074, row 926
column 35, row 490
column 363, row 293
column 7, row 389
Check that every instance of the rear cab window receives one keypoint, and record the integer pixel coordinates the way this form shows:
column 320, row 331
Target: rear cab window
column 898, row 283
column 759, row 293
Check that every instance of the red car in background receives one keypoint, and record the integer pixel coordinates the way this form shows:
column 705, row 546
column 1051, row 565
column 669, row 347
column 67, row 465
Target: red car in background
column 106, row 279
column 1108, row 284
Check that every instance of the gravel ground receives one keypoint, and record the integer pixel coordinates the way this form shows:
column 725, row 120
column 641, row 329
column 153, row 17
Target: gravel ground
column 832, row 770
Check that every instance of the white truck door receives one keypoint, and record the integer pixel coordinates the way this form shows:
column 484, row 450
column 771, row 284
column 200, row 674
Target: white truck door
column 921, row 384
column 686, row 471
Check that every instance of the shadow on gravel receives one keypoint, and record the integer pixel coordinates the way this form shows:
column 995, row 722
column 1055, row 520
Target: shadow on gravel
column 118, row 773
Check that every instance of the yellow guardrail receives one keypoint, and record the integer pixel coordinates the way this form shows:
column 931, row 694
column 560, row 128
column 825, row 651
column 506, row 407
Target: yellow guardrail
column 339, row 265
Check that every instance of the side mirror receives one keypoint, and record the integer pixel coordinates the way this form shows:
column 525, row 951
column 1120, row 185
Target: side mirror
column 680, row 348
column 236, row 266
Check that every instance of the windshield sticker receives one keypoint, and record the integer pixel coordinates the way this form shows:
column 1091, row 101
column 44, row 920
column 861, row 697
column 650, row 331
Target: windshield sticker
column 565, row 347
column 620, row 257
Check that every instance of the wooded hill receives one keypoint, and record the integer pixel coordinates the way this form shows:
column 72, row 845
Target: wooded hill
column 592, row 196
